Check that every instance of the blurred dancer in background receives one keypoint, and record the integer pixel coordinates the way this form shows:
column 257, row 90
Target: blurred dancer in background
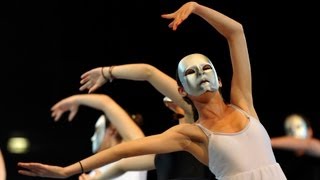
column 113, row 127
column 298, row 150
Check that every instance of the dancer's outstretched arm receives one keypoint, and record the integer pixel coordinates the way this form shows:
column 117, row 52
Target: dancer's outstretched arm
column 310, row 146
column 137, row 163
column 241, row 84
column 184, row 137
column 95, row 78
column 118, row 117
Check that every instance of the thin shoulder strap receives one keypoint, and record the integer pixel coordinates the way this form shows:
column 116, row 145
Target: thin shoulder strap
column 205, row 130
column 237, row 108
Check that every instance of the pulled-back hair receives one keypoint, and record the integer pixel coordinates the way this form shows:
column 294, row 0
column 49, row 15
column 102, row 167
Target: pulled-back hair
column 188, row 100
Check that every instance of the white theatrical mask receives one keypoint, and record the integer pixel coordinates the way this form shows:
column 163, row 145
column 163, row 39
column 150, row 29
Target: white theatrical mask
column 197, row 74
column 296, row 126
column 99, row 133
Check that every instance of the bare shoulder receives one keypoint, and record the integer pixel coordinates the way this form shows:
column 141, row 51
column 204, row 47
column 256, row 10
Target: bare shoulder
column 248, row 109
column 192, row 131
column 184, row 127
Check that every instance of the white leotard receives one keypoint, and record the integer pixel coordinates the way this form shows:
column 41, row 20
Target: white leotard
column 245, row 155
column 129, row 175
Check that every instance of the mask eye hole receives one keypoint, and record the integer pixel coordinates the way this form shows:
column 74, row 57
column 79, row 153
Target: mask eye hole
column 189, row 71
column 206, row 67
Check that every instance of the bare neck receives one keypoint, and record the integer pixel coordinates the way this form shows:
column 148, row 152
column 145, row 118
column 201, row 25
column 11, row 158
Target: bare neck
column 210, row 106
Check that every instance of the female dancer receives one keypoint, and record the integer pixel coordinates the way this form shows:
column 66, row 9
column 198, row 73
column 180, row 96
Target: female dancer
column 228, row 138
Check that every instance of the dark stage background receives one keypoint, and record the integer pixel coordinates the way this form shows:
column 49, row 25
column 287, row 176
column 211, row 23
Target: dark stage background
column 47, row 45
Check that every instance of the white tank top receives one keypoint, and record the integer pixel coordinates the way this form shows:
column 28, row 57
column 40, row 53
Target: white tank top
column 244, row 155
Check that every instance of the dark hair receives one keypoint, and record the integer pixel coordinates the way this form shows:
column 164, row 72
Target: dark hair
column 188, row 100
column 107, row 121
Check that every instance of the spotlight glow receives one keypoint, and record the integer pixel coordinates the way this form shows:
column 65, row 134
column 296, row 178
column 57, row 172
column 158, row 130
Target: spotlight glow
column 18, row 145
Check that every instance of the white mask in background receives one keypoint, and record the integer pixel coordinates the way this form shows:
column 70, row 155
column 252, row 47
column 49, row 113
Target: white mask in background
column 98, row 135
column 296, row 126
column 197, row 74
